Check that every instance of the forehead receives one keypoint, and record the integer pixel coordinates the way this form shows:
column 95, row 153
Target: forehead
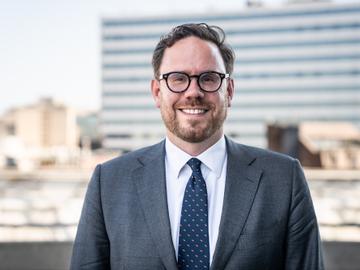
column 192, row 55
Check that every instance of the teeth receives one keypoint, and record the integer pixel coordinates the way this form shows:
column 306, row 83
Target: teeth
column 193, row 111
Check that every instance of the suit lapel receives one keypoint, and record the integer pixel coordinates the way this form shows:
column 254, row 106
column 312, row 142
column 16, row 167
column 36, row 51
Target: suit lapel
column 151, row 187
column 242, row 180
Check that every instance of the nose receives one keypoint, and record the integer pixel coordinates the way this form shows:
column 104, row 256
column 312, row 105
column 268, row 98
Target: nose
column 194, row 89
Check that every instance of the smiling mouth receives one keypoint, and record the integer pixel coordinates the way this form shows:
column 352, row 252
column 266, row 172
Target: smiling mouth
column 194, row 111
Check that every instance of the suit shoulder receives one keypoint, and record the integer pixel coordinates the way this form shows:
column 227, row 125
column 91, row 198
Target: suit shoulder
column 130, row 158
column 275, row 166
column 260, row 154
column 266, row 153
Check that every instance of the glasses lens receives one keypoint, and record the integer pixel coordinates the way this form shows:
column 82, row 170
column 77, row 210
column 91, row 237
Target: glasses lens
column 210, row 81
column 178, row 82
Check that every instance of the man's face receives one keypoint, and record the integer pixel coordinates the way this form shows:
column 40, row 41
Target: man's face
column 193, row 116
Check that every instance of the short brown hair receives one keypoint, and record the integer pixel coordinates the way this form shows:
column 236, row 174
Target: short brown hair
column 203, row 31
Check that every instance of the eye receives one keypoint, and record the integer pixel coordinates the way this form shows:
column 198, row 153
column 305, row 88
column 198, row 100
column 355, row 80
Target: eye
column 178, row 78
column 209, row 78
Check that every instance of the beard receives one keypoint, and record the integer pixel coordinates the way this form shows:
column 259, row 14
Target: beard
column 193, row 130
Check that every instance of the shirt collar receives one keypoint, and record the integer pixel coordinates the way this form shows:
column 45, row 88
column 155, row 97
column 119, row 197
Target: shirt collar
column 213, row 158
column 176, row 158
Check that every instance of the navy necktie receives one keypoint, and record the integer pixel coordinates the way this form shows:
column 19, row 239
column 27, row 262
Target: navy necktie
column 193, row 250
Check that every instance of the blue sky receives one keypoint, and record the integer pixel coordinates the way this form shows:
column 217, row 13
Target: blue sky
column 52, row 48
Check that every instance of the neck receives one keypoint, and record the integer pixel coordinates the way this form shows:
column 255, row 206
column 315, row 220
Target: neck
column 195, row 149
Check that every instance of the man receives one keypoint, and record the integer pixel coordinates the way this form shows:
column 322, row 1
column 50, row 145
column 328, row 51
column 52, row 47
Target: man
column 197, row 200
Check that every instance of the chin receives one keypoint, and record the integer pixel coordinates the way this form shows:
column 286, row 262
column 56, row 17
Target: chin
column 194, row 136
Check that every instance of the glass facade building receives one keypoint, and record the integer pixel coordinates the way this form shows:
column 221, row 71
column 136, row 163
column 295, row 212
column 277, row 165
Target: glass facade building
column 293, row 63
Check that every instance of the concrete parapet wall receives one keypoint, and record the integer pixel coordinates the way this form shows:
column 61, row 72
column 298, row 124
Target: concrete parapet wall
column 342, row 255
column 56, row 255
column 35, row 255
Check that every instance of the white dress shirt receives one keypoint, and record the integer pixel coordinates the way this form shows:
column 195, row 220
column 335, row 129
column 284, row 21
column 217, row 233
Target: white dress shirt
column 213, row 169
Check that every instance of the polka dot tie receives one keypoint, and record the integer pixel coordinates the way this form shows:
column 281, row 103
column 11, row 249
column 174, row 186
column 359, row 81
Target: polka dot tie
column 194, row 237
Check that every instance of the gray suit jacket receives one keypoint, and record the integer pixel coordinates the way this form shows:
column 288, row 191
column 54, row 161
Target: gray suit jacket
column 268, row 220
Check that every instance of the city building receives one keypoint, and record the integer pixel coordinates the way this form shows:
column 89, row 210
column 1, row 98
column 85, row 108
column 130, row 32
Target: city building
column 38, row 134
column 327, row 145
column 88, row 123
column 297, row 62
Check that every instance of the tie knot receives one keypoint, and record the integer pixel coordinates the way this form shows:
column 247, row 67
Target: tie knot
column 194, row 164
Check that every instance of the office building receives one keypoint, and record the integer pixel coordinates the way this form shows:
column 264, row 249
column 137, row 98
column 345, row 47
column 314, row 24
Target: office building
column 44, row 124
column 294, row 63
column 43, row 133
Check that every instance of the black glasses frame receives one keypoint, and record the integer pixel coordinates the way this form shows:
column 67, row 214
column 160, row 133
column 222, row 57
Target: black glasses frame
column 166, row 75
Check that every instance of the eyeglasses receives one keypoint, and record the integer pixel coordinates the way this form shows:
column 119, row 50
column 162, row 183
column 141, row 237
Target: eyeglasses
column 179, row 82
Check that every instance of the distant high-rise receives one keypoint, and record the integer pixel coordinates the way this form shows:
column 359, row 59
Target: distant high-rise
column 43, row 125
column 293, row 63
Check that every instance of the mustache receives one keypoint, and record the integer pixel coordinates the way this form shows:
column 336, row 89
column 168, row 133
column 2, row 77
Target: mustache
column 196, row 102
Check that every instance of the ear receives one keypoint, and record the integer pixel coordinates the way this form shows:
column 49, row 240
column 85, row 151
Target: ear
column 155, row 91
column 230, row 91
